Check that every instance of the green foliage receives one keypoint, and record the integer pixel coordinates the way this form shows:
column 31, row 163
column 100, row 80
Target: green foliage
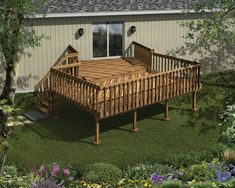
column 7, row 109
column 10, row 170
column 218, row 25
column 227, row 125
column 171, row 184
column 190, row 158
column 204, row 185
column 14, row 36
column 14, row 182
column 144, row 171
column 102, row 172
column 228, row 184
column 198, row 172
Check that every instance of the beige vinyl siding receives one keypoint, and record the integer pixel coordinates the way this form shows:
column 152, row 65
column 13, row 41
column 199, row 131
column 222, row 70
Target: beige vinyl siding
column 160, row 32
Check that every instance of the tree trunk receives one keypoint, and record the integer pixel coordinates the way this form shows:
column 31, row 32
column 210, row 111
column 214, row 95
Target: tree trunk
column 8, row 93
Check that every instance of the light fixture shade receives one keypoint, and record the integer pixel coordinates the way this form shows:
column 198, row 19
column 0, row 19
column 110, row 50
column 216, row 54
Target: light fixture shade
column 133, row 29
column 81, row 31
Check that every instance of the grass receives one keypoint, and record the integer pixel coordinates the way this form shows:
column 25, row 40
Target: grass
column 68, row 140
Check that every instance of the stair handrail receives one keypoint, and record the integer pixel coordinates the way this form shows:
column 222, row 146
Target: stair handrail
column 71, row 53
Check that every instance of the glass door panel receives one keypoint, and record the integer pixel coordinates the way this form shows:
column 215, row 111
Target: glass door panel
column 115, row 39
column 100, row 45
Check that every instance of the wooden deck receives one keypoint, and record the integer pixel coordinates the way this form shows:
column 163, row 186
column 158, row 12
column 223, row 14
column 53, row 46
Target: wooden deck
column 108, row 87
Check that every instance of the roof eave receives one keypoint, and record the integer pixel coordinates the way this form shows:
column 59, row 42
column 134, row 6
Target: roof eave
column 114, row 13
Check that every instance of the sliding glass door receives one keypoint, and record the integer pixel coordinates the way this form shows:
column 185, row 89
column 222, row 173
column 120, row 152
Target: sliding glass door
column 107, row 39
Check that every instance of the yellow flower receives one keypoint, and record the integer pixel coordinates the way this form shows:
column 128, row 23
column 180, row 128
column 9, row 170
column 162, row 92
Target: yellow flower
column 145, row 185
column 191, row 182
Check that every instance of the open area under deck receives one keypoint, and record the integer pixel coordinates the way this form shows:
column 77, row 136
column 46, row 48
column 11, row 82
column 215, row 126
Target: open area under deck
column 108, row 87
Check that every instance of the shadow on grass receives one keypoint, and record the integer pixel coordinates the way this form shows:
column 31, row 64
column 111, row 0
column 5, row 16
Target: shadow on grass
column 211, row 101
column 76, row 125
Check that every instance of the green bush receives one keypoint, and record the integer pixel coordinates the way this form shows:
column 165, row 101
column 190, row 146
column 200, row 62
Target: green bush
column 189, row 159
column 171, row 184
column 198, row 172
column 227, row 125
column 144, row 171
column 10, row 170
column 102, row 172
column 13, row 182
column 228, row 184
column 204, row 185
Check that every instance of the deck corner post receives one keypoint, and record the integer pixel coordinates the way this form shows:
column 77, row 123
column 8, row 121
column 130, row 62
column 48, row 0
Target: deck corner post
column 53, row 103
column 166, row 115
column 194, row 101
column 97, row 136
column 135, row 129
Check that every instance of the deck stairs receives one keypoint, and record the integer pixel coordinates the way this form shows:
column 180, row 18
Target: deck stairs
column 42, row 88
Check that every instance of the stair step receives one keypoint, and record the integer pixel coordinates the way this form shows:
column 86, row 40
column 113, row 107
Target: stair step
column 43, row 109
column 45, row 103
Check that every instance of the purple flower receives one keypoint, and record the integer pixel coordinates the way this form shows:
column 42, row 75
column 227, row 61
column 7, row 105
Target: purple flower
column 155, row 178
column 66, row 171
column 42, row 168
column 222, row 176
column 55, row 169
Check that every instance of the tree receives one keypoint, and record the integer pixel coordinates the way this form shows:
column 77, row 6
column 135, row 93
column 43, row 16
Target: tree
column 14, row 38
column 213, row 34
column 218, row 25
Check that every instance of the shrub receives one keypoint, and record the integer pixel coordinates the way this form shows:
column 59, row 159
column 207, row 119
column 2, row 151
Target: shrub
column 198, row 172
column 221, row 170
column 13, row 182
column 10, row 170
column 189, row 159
column 144, row 171
column 229, row 184
column 45, row 183
column 204, row 185
column 63, row 174
column 227, row 125
column 102, row 172
column 171, row 184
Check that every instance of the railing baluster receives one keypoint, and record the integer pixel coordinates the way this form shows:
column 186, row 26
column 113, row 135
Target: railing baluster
column 119, row 98
column 110, row 100
column 104, row 102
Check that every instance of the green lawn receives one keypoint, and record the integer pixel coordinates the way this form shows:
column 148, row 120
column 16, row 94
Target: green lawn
column 69, row 139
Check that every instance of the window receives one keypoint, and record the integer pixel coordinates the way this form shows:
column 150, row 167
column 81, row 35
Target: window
column 107, row 39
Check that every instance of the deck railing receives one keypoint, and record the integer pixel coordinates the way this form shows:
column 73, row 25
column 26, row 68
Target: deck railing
column 74, row 89
column 158, row 62
column 44, row 83
column 134, row 94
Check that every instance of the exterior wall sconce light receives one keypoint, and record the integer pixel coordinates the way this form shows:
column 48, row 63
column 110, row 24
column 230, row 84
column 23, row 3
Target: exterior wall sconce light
column 81, row 32
column 133, row 29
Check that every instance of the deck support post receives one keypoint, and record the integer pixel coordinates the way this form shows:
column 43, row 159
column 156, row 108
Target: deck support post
column 97, row 136
column 135, row 129
column 53, row 106
column 166, row 115
column 194, row 101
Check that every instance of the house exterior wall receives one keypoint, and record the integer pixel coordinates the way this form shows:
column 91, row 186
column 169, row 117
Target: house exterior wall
column 160, row 32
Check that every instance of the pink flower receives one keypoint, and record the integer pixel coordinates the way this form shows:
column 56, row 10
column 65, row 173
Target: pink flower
column 55, row 169
column 66, row 171
column 42, row 168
